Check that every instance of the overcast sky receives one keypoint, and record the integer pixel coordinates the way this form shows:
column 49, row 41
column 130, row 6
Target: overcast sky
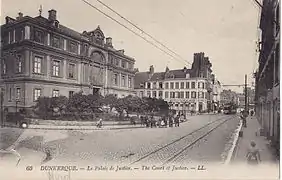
column 226, row 30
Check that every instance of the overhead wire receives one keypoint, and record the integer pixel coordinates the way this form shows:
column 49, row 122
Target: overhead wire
column 140, row 29
column 113, row 19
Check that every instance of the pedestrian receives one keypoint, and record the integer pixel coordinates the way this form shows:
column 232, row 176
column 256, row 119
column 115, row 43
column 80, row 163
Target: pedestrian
column 176, row 120
column 147, row 121
column 253, row 154
column 170, row 121
column 99, row 123
column 152, row 121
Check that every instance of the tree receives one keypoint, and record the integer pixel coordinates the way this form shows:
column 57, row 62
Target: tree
column 110, row 100
column 120, row 105
column 59, row 103
column 43, row 107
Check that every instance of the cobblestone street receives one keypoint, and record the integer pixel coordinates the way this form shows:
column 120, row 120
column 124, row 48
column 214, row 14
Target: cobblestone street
column 128, row 145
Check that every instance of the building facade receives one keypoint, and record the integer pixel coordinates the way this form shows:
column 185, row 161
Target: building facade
column 268, row 74
column 184, row 89
column 41, row 57
column 228, row 96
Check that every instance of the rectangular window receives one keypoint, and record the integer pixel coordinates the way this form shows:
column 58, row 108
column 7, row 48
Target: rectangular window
column 36, row 94
column 166, row 85
column 177, row 85
column 148, row 93
column 148, row 85
column 182, row 85
column 73, row 47
column 123, row 64
column 18, row 93
column 19, row 66
column 55, row 93
column 37, row 64
column 177, row 95
column 199, row 85
column 56, row 68
column 71, row 70
column 56, row 42
column 19, row 34
column 10, row 95
column 161, row 85
column 203, row 95
column 117, row 62
column 115, row 79
column 129, row 82
column 4, row 70
column 182, row 94
column 160, row 94
column 166, row 94
column 141, row 94
column 11, row 36
column 172, row 94
column 187, row 85
column 187, row 94
column 193, row 94
column 38, row 37
column 171, row 85
column 193, row 86
column 71, row 93
column 123, row 81
column 154, row 94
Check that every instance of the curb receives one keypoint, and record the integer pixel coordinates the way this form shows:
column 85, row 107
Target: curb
column 76, row 128
column 232, row 151
column 94, row 127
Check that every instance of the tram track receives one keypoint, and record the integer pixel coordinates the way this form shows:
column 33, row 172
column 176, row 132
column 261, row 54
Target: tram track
column 171, row 151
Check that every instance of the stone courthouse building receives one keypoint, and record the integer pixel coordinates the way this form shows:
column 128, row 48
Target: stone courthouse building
column 41, row 57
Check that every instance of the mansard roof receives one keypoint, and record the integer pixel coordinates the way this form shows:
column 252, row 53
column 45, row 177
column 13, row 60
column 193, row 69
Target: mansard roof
column 142, row 77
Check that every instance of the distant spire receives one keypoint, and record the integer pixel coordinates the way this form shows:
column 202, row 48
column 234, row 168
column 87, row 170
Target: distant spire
column 40, row 10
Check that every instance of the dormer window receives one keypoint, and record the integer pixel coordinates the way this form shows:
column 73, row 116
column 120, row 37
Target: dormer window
column 187, row 75
column 56, row 24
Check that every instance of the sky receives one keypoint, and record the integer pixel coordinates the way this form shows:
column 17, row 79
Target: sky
column 225, row 30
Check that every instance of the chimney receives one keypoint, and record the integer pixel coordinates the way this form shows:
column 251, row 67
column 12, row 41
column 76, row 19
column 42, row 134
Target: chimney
column 151, row 70
column 20, row 16
column 52, row 15
column 121, row 51
column 166, row 69
column 109, row 42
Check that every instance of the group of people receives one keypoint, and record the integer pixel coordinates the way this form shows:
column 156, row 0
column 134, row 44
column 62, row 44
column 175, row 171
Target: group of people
column 151, row 121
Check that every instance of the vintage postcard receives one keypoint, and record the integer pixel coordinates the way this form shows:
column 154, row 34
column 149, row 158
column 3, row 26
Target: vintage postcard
column 140, row 89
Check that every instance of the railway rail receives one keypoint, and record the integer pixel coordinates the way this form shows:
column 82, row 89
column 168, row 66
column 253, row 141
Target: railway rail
column 171, row 152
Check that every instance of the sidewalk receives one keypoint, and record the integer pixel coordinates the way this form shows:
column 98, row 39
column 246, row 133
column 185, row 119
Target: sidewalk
column 251, row 133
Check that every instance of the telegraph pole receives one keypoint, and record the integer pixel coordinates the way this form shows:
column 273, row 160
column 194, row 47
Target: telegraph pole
column 246, row 94
column 1, row 108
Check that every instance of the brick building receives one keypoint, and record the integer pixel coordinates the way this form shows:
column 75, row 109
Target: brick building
column 41, row 57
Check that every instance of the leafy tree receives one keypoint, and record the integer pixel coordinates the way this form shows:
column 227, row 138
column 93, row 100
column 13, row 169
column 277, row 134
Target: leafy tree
column 59, row 103
column 43, row 107
column 110, row 100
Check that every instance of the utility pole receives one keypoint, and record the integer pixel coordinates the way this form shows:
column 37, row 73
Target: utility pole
column 246, row 94
column 1, row 106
